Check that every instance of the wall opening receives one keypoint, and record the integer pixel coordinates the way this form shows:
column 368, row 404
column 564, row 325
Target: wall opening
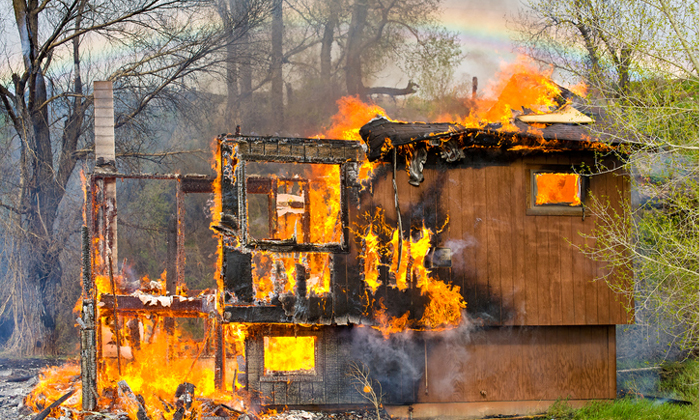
column 290, row 355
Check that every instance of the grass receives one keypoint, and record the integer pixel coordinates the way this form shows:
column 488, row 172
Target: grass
column 627, row 408
column 677, row 381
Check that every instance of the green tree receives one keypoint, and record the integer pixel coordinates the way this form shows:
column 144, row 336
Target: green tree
column 640, row 61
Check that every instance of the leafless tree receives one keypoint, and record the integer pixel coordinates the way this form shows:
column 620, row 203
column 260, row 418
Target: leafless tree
column 370, row 389
column 152, row 50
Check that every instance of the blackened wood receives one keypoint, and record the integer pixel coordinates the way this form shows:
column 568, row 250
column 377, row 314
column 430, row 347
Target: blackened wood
column 380, row 132
column 53, row 405
column 258, row 185
column 197, row 184
column 88, row 356
column 188, row 307
column 262, row 314
column 184, row 395
column 315, row 311
column 279, row 393
column 238, row 275
column 126, row 390
column 339, row 288
column 281, row 246
column 300, row 271
column 219, row 356
column 133, row 333
column 88, row 284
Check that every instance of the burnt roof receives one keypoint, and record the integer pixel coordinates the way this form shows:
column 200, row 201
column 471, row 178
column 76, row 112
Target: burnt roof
column 381, row 135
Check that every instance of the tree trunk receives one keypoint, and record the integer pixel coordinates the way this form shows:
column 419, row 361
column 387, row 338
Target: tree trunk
column 232, row 92
column 277, row 86
column 42, row 188
column 245, row 100
column 326, row 50
column 353, row 68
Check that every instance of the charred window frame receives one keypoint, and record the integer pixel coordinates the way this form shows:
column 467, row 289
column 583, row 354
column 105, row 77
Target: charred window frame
column 238, row 151
column 555, row 209
column 258, row 341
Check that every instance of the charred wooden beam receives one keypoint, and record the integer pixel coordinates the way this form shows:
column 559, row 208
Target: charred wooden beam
column 193, row 183
column 252, row 313
column 88, row 355
column 296, row 150
column 290, row 246
column 238, row 276
column 88, row 284
column 133, row 399
column 174, row 306
column 219, row 355
column 42, row 415
column 381, row 135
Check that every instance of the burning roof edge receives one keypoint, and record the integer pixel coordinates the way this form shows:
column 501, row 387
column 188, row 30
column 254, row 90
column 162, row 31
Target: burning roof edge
column 381, row 135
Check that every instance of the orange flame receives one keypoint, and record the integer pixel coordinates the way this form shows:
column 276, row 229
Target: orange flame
column 290, row 354
column 558, row 188
column 54, row 382
column 352, row 114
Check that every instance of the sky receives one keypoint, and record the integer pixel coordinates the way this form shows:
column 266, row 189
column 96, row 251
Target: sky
column 483, row 32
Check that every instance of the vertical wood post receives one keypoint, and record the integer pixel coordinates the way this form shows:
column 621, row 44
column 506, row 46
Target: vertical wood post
column 88, row 352
column 220, row 355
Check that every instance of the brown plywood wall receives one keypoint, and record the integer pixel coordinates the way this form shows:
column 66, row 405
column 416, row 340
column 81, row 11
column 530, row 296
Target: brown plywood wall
column 464, row 365
column 512, row 268
column 520, row 364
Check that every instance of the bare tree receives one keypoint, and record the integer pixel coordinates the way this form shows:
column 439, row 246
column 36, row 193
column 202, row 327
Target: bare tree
column 368, row 388
column 153, row 51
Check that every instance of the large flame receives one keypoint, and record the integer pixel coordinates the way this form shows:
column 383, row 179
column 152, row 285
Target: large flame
column 558, row 188
column 290, row 354
column 352, row 114
column 520, row 86
column 381, row 241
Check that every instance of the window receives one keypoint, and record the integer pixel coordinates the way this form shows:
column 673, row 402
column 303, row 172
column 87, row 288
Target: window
column 293, row 206
column 556, row 191
column 290, row 355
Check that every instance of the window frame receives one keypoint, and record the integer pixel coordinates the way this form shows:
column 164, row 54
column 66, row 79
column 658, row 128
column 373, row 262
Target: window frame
column 554, row 209
column 319, row 361
column 284, row 245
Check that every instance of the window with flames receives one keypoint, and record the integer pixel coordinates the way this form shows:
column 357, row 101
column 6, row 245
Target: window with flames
column 290, row 355
column 556, row 192
column 290, row 204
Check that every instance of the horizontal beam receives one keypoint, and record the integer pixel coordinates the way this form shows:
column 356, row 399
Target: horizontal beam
column 174, row 306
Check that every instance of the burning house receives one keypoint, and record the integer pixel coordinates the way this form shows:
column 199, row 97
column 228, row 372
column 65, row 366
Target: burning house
column 443, row 258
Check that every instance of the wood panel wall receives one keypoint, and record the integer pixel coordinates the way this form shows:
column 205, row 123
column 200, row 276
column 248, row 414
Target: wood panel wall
column 468, row 365
column 521, row 364
column 512, row 268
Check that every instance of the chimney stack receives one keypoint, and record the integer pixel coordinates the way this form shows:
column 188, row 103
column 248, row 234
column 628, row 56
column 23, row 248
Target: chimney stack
column 105, row 164
column 104, row 127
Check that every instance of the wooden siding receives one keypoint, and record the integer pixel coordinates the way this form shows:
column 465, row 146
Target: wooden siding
column 512, row 268
column 520, row 364
column 469, row 365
